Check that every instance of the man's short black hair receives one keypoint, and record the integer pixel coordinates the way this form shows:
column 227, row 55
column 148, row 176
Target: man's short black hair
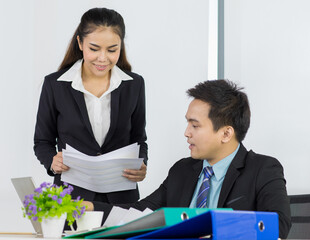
column 229, row 106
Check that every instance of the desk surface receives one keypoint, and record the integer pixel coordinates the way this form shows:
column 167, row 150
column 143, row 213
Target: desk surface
column 19, row 236
column 13, row 236
column 27, row 236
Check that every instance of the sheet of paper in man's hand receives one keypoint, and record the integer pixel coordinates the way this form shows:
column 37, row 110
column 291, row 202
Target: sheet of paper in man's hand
column 101, row 173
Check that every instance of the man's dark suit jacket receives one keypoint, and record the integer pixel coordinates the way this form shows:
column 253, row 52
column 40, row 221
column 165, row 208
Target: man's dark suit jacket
column 63, row 119
column 253, row 182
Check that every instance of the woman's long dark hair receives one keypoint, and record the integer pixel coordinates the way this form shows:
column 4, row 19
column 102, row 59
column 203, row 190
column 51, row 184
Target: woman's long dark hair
column 90, row 21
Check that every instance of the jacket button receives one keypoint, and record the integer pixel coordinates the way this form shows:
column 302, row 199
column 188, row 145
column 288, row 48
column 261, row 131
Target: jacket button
column 99, row 153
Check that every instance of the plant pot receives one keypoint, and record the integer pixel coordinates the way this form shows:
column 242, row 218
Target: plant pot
column 53, row 227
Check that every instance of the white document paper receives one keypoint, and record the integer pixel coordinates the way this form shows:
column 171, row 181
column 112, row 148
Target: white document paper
column 101, row 173
column 119, row 216
column 133, row 214
column 115, row 216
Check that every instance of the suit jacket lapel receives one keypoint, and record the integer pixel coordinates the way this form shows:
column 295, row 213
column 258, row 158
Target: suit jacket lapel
column 232, row 173
column 190, row 184
column 79, row 98
column 114, row 114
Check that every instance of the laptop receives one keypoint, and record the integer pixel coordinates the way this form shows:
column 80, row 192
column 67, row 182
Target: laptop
column 25, row 186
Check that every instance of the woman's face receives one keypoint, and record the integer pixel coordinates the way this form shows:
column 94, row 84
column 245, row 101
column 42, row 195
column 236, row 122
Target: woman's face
column 101, row 51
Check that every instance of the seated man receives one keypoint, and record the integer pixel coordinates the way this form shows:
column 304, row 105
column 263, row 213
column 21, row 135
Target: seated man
column 221, row 172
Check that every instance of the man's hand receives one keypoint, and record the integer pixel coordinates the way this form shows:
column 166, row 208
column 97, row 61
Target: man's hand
column 89, row 205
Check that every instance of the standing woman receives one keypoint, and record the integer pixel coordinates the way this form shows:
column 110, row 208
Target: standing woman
column 94, row 103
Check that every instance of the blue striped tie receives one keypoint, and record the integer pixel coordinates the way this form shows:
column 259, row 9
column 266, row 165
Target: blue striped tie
column 204, row 188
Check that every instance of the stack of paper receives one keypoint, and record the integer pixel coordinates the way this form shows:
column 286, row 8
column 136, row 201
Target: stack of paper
column 101, row 173
column 119, row 216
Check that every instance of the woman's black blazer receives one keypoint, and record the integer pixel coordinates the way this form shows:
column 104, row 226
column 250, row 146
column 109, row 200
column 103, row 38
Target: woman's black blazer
column 62, row 119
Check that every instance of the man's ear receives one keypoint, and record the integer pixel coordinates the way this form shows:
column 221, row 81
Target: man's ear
column 79, row 42
column 228, row 134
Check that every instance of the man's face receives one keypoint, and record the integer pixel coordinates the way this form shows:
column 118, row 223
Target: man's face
column 205, row 143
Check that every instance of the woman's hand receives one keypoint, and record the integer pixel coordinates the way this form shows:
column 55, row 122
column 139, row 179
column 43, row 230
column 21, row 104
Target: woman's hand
column 57, row 164
column 135, row 175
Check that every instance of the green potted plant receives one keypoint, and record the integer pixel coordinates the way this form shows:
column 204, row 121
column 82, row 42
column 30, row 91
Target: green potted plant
column 50, row 203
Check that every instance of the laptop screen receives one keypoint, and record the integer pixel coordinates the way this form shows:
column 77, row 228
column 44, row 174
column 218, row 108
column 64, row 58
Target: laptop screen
column 25, row 186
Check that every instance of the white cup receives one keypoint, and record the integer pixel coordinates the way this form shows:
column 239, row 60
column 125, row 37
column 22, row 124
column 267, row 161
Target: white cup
column 88, row 221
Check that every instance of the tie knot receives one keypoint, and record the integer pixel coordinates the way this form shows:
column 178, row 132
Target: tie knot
column 208, row 172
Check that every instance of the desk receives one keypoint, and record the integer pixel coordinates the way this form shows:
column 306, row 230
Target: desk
column 20, row 236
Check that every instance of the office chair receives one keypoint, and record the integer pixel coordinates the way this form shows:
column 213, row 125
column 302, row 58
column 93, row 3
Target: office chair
column 300, row 216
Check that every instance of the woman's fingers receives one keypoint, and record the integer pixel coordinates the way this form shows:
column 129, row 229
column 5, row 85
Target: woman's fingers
column 135, row 175
column 57, row 164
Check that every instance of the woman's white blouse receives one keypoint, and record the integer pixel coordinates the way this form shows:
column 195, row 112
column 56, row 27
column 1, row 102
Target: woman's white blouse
column 98, row 108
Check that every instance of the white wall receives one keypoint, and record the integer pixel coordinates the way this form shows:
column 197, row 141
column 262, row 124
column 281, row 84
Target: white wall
column 267, row 51
column 167, row 43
